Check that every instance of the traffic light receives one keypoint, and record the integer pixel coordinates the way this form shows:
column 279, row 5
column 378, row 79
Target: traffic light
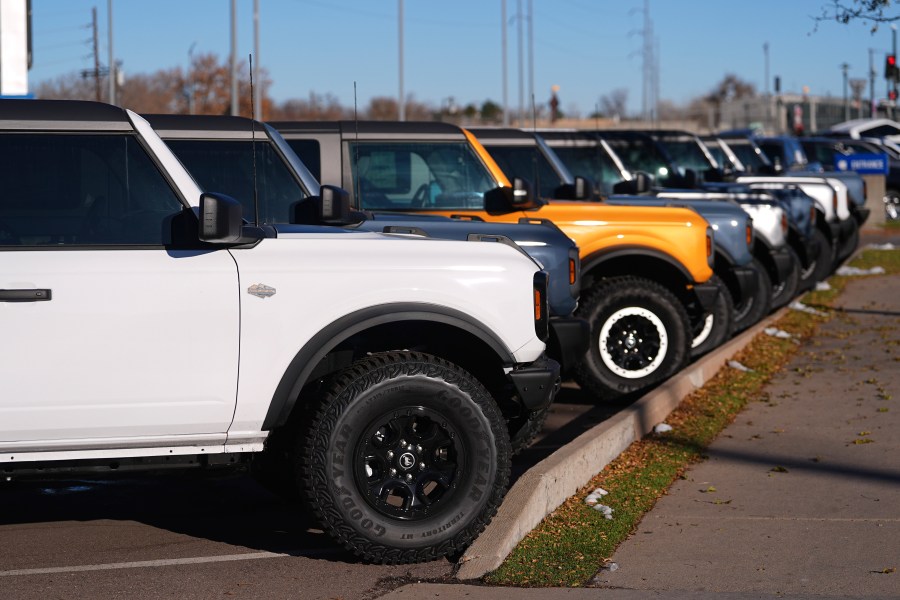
column 891, row 72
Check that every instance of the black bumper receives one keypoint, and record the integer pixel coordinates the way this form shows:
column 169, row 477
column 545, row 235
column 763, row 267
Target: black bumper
column 569, row 339
column 747, row 281
column 537, row 383
column 706, row 295
column 784, row 264
column 860, row 213
column 847, row 227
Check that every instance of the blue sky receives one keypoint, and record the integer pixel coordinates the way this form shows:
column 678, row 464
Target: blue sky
column 453, row 48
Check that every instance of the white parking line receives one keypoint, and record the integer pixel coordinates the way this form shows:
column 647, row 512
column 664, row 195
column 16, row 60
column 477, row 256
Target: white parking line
column 145, row 564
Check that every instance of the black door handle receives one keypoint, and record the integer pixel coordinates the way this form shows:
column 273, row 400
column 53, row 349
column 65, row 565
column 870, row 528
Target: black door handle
column 24, row 295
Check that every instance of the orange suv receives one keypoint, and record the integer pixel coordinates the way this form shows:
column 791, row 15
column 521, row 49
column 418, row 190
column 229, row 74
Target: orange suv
column 646, row 270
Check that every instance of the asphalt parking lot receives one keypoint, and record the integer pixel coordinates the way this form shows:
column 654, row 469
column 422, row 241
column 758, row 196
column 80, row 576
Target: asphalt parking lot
column 175, row 535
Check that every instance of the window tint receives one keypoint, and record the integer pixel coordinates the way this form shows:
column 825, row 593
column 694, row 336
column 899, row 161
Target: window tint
column 437, row 175
column 528, row 163
column 590, row 161
column 309, row 152
column 640, row 155
column 66, row 189
column 227, row 167
column 687, row 154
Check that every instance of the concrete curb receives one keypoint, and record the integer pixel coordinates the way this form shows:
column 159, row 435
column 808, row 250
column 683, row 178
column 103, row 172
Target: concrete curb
column 552, row 481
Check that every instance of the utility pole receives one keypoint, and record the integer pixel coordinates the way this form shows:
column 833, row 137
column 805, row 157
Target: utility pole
column 531, row 54
column 844, row 67
column 112, row 63
column 257, row 89
column 872, row 105
column 234, row 69
column 401, row 100
column 766, row 79
column 96, row 54
column 894, row 52
column 521, row 62
column 503, row 26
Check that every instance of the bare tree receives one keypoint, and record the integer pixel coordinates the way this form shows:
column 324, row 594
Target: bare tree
column 614, row 104
column 865, row 11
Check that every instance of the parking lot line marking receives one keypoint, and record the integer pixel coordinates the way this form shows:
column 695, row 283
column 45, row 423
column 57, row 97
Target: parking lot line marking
column 145, row 564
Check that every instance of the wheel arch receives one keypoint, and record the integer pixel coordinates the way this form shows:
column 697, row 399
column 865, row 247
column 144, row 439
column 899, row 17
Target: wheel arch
column 649, row 263
column 443, row 331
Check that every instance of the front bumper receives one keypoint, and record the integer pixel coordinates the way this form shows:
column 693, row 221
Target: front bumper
column 784, row 264
column 569, row 340
column 536, row 383
column 847, row 226
column 860, row 213
column 706, row 295
column 747, row 282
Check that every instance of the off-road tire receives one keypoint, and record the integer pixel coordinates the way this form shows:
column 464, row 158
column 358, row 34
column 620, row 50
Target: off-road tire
column 819, row 267
column 717, row 327
column 439, row 430
column 785, row 291
column 525, row 433
column 617, row 307
column 750, row 310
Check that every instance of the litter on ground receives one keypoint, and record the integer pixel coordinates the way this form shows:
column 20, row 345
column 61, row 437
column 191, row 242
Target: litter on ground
column 606, row 510
column 662, row 428
column 736, row 365
column 822, row 286
column 797, row 305
column 846, row 271
column 594, row 497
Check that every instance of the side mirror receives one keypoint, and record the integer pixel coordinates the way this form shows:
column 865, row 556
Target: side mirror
column 520, row 196
column 330, row 207
column 640, row 183
column 220, row 219
column 580, row 189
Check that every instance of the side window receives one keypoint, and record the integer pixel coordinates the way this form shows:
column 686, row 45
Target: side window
column 82, row 190
column 227, row 167
column 417, row 175
column 527, row 162
column 309, row 152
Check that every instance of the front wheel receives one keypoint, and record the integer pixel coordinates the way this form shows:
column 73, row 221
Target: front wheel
column 785, row 290
column 753, row 308
column 714, row 329
column 407, row 458
column 640, row 335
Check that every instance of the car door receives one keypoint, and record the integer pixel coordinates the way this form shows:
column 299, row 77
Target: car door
column 117, row 328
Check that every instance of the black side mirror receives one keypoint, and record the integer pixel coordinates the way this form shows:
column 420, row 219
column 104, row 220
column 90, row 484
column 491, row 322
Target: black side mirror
column 640, row 183
column 330, row 207
column 520, row 196
column 220, row 219
column 580, row 189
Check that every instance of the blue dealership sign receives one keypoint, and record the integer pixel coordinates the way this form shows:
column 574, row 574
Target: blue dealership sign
column 864, row 164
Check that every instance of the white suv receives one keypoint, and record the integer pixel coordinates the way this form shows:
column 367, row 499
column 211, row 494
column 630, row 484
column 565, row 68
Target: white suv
column 145, row 323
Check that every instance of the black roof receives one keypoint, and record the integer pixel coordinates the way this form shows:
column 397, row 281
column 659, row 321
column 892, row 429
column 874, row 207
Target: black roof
column 369, row 128
column 201, row 122
column 61, row 112
column 567, row 134
column 501, row 133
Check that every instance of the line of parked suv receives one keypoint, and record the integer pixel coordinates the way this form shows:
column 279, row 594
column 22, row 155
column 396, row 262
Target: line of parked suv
column 372, row 317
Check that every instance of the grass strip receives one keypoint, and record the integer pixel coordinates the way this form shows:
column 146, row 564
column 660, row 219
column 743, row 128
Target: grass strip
column 571, row 544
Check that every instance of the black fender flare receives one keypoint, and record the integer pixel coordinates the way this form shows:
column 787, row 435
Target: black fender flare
column 329, row 337
column 601, row 256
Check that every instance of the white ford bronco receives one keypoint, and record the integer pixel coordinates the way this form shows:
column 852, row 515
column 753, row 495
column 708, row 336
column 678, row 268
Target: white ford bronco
column 145, row 323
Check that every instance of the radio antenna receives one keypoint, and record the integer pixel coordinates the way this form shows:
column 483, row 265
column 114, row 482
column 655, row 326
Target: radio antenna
column 534, row 153
column 253, row 148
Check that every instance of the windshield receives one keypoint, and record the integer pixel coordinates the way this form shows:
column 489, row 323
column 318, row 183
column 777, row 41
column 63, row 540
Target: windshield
column 686, row 153
column 227, row 167
column 528, row 163
column 640, row 154
column 593, row 162
column 417, row 175
column 748, row 154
